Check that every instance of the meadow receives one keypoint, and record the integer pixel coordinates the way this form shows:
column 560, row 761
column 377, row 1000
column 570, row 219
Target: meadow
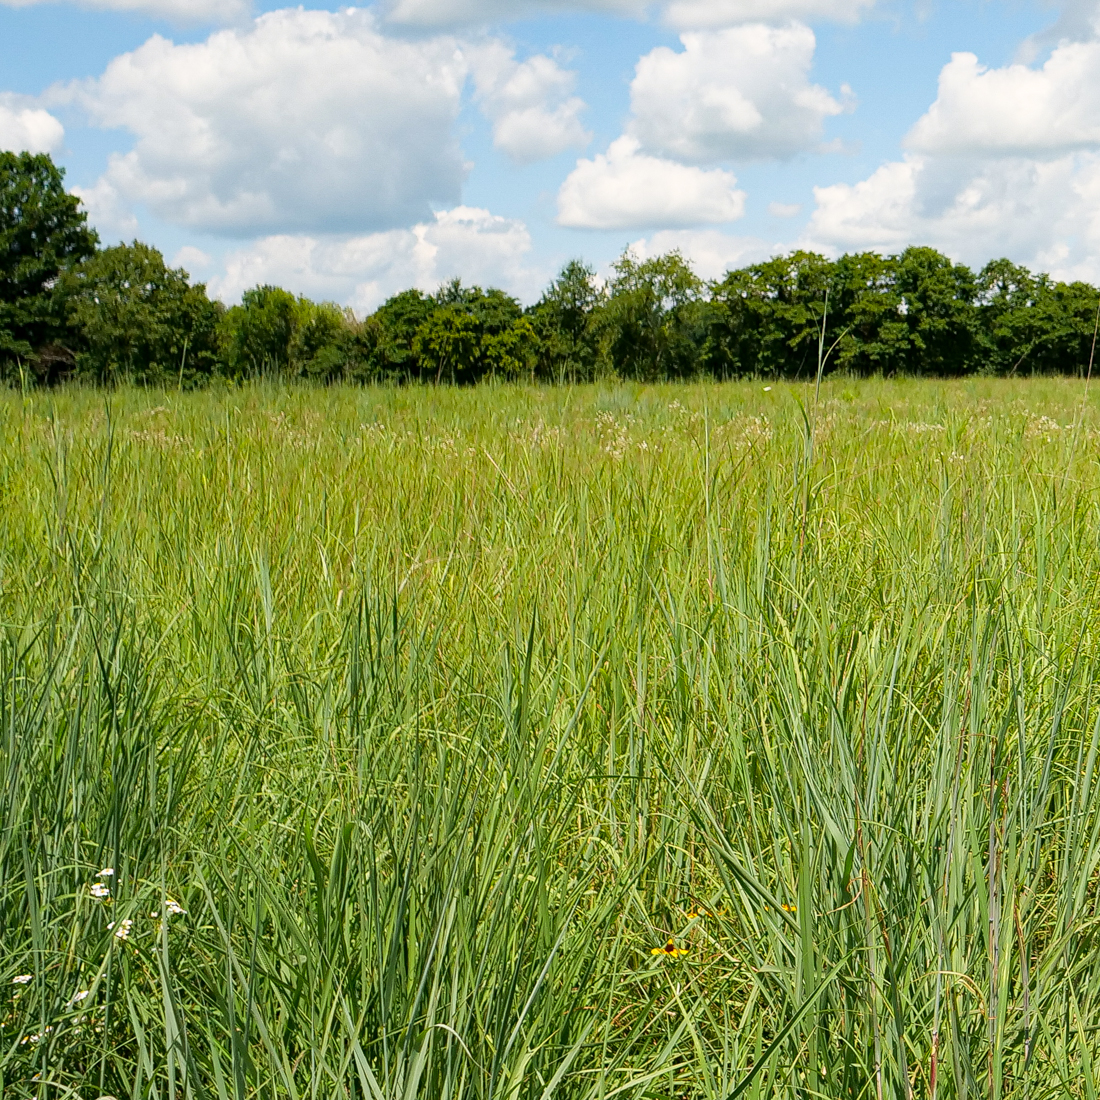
column 532, row 743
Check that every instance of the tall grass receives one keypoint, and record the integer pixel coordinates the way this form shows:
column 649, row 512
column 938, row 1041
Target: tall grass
column 522, row 743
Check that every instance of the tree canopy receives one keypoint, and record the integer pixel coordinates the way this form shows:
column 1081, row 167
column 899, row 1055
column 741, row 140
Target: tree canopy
column 136, row 318
column 43, row 230
column 70, row 309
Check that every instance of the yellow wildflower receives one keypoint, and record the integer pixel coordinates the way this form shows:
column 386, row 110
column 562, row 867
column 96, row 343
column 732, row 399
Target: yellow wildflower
column 670, row 949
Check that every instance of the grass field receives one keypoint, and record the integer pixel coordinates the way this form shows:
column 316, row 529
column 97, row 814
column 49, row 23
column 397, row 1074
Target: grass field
column 533, row 744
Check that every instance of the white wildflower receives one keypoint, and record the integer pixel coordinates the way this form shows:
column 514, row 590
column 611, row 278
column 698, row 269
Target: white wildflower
column 76, row 998
column 122, row 932
column 22, row 979
column 107, row 872
column 173, row 908
column 100, row 891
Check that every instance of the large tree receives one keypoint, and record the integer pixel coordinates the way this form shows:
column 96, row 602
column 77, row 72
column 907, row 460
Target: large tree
column 140, row 320
column 43, row 230
column 654, row 322
column 564, row 321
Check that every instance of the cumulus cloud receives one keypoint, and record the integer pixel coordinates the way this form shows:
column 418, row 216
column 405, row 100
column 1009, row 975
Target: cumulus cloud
column 724, row 13
column 28, row 129
column 530, row 103
column 177, row 11
column 1077, row 22
column 108, row 211
column 624, row 188
column 304, row 121
column 1045, row 213
column 1005, row 162
column 1015, row 109
column 434, row 13
column 709, row 251
column 735, row 94
column 683, row 14
column 363, row 270
column 193, row 260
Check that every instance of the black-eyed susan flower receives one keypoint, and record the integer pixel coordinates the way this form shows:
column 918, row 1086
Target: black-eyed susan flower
column 669, row 949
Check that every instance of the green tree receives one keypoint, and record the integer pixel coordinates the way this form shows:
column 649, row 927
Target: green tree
column 766, row 318
column 272, row 332
column 869, row 320
column 322, row 345
column 1031, row 324
column 257, row 335
column 385, row 341
column 448, row 345
column 138, row 319
column 1066, row 319
column 563, row 320
column 43, row 230
column 939, row 303
column 473, row 334
column 654, row 322
column 513, row 352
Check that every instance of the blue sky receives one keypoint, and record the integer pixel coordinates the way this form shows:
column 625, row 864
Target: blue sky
column 348, row 153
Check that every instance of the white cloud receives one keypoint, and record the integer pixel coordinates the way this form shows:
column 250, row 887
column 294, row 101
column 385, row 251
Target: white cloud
column 709, row 251
column 193, row 260
column 724, row 13
column 1005, row 162
column 108, row 211
column 434, row 13
column 1045, row 213
column 733, row 94
column 177, row 11
column 684, row 14
column 304, row 121
column 1077, row 22
column 625, row 188
column 876, row 213
column 28, row 129
column 1015, row 109
column 530, row 103
column 362, row 271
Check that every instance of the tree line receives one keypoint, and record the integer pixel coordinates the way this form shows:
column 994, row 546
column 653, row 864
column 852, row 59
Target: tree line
column 70, row 309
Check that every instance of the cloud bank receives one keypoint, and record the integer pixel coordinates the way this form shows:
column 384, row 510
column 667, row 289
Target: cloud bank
column 175, row 11
column 305, row 120
column 625, row 188
column 530, row 103
column 682, row 14
column 1006, row 161
column 25, row 128
column 364, row 270
column 737, row 94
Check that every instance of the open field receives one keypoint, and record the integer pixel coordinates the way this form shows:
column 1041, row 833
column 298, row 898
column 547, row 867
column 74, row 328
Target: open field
column 533, row 744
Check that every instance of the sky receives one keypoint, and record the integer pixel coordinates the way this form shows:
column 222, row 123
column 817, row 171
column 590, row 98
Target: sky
column 350, row 153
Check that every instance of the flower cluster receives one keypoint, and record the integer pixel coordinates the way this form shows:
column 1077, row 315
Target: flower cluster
column 121, row 928
column 37, row 1038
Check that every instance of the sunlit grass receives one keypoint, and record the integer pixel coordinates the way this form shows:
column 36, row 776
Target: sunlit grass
column 550, row 743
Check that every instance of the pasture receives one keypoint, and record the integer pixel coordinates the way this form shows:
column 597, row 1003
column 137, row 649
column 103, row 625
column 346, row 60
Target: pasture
column 518, row 743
